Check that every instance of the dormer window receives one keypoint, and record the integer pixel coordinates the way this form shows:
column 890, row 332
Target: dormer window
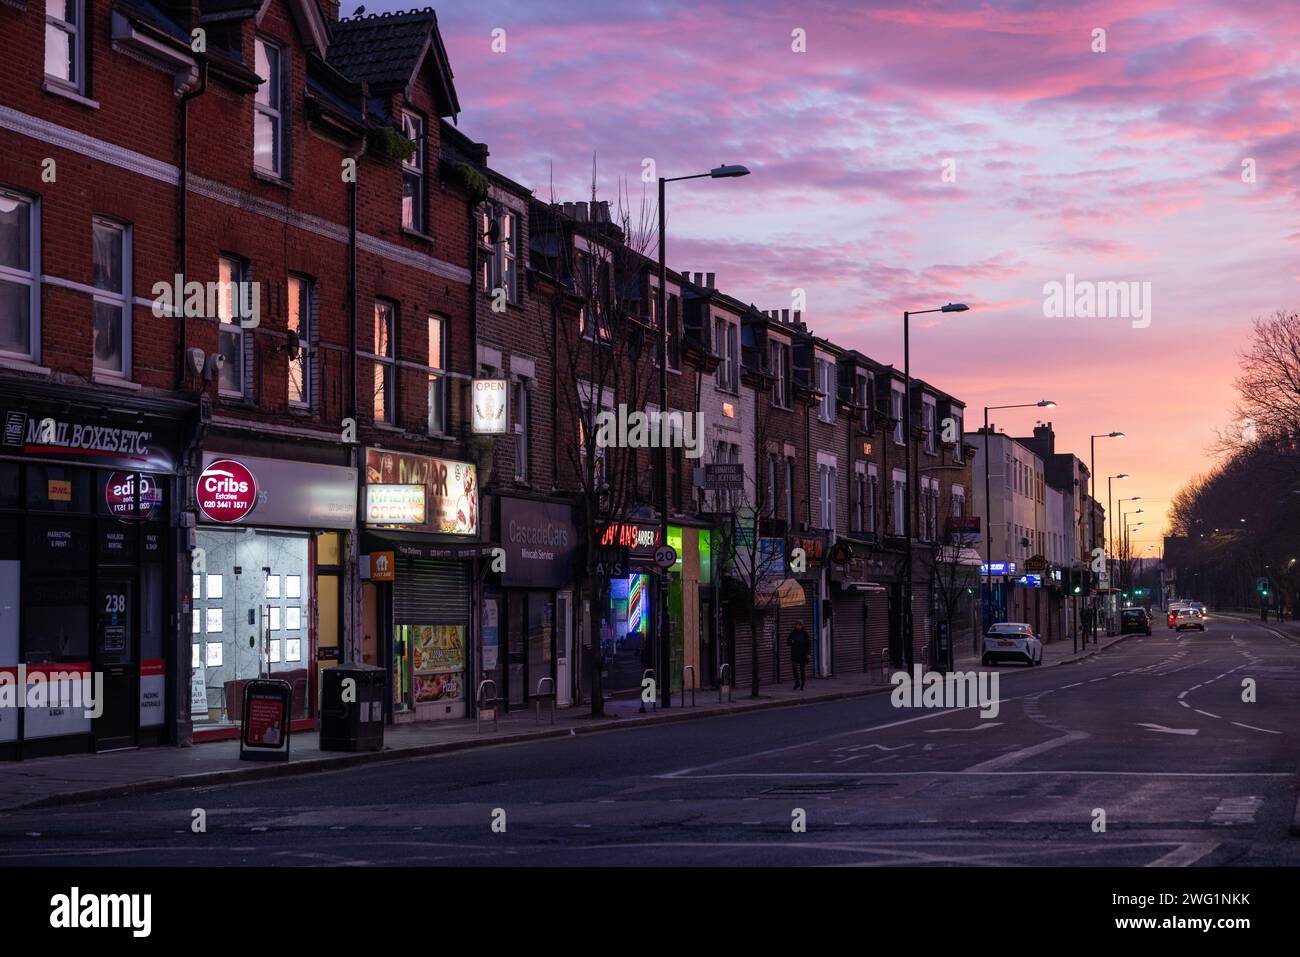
column 413, row 174
column 268, row 116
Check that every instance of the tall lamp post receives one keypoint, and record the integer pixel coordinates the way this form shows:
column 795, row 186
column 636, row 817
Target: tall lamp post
column 663, row 664
column 1110, row 519
column 1126, row 531
column 1092, row 510
column 987, row 592
column 911, row 491
column 1123, row 513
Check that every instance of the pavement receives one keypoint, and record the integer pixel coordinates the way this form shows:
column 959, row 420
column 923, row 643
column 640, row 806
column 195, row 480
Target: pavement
column 66, row 779
column 1146, row 752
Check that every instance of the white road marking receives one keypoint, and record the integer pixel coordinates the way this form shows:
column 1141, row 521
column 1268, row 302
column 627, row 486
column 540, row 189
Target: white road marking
column 1253, row 728
column 1162, row 729
column 1184, row 856
column 1015, row 757
column 979, row 727
column 1207, row 714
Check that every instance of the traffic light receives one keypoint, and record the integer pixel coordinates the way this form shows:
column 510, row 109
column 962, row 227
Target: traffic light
column 1077, row 589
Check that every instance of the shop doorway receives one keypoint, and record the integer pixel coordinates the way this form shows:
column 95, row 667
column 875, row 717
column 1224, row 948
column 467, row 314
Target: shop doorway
column 563, row 649
column 113, row 656
column 530, row 645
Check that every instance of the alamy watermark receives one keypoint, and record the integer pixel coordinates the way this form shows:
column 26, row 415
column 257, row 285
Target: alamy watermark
column 1085, row 299
column 242, row 301
column 649, row 430
column 957, row 689
column 47, row 688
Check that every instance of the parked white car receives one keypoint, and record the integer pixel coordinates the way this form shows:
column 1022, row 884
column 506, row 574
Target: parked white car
column 1012, row 640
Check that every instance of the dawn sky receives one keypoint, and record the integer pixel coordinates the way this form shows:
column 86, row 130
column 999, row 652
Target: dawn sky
column 1123, row 165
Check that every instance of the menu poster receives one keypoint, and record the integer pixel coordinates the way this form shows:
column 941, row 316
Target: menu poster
column 442, row 686
column 438, row 647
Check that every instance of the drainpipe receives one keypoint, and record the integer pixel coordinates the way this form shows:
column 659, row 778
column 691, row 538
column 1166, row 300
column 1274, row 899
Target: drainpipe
column 350, row 652
column 183, row 200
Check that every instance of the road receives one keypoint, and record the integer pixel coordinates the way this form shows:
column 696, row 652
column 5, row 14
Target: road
column 1153, row 732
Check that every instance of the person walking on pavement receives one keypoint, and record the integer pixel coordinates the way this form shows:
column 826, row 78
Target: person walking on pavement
column 800, row 646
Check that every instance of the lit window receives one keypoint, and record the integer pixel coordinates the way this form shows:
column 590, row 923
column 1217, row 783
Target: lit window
column 300, row 318
column 383, row 365
column 234, row 305
column 523, row 394
column 437, row 397
column 268, row 116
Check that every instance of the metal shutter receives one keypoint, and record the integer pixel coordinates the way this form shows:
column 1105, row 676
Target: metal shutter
column 877, row 628
column 848, row 634
column 431, row 593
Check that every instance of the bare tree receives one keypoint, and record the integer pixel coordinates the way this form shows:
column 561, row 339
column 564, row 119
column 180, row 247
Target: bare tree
column 952, row 581
column 602, row 361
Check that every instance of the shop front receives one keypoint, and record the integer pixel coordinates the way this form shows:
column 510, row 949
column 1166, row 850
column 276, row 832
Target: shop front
column 88, row 574
column 527, row 628
column 628, row 628
column 265, row 582
column 420, row 580
column 691, row 611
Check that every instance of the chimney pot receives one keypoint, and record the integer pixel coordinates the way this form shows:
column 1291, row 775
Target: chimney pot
column 710, row 279
column 785, row 315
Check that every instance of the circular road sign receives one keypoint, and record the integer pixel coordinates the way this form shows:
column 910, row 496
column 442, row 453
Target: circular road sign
column 665, row 556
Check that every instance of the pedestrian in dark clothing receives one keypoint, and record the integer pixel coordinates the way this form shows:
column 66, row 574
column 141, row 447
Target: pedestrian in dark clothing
column 800, row 648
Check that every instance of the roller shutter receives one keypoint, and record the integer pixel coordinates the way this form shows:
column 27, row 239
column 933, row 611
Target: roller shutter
column 431, row 592
column 848, row 634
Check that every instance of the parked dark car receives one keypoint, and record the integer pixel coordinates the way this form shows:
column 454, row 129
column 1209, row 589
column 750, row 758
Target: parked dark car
column 1134, row 621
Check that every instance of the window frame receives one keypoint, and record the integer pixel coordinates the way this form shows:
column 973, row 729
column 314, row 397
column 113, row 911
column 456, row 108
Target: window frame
column 77, row 48
column 30, row 277
column 387, row 362
column 873, row 495
column 239, row 272
column 306, row 309
column 415, row 169
column 929, row 422
column 825, row 371
column 898, row 501
column 523, row 412
column 275, row 112
column 120, row 300
column 896, row 398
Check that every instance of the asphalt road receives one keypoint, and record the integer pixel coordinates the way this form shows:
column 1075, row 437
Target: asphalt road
column 1153, row 732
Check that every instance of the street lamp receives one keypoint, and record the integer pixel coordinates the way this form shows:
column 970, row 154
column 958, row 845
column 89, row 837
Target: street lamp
column 987, row 594
column 1124, row 555
column 911, row 491
column 664, row 664
column 1092, row 509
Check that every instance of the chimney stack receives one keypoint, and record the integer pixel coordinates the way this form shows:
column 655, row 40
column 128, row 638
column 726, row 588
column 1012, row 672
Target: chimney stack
column 580, row 209
column 710, row 279
column 330, row 10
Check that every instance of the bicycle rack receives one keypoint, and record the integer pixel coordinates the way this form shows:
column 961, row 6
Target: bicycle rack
column 723, row 674
column 540, row 695
column 650, row 673
column 480, row 701
column 691, row 669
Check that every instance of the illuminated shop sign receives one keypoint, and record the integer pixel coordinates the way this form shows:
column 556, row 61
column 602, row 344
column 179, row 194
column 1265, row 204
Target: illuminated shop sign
column 491, row 414
column 395, row 505
column 450, row 490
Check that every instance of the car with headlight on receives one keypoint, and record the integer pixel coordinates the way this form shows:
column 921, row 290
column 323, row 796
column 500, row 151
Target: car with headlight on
column 1011, row 641
column 1189, row 619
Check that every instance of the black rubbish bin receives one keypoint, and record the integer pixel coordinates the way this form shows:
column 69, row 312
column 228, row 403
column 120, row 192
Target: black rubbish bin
column 352, row 715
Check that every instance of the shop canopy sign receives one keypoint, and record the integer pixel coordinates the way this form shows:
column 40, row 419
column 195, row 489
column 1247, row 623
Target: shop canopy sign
column 289, row 494
column 102, row 438
column 640, row 540
column 539, row 539
column 491, row 415
column 450, row 491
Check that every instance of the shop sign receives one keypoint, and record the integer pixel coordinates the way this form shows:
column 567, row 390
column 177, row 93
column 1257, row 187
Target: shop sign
column 539, row 539
column 106, row 439
column 294, row 494
column 640, row 540
column 1036, row 564
column 450, row 490
column 395, row 505
column 725, row 476
column 59, row 490
column 382, row 567
column 132, row 496
column 491, row 414
column 998, row 568
column 226, row 491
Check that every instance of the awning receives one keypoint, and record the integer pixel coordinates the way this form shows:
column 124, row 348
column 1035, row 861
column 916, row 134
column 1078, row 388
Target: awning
column 787, row 592
column 415, row 545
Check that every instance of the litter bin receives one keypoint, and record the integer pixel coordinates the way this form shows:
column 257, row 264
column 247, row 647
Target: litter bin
column 352, row 718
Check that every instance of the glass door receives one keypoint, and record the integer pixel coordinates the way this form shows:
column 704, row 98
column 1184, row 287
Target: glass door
column 541, row 639
column 516, row 623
